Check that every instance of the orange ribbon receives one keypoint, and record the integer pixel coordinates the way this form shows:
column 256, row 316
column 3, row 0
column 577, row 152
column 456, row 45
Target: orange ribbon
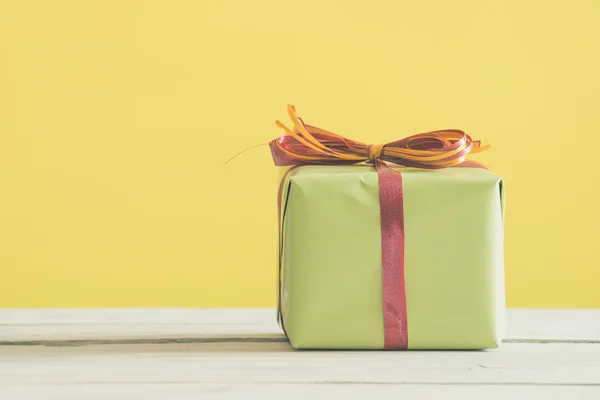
column 306, row 144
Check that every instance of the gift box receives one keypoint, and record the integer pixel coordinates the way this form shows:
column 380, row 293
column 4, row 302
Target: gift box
column 388, row 257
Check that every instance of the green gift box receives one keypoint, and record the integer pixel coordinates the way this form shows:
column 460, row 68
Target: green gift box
column 331, row 294
column 380, row 257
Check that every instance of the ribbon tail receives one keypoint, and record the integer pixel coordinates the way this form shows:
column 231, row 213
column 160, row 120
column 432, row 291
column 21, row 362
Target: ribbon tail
column 391, row 199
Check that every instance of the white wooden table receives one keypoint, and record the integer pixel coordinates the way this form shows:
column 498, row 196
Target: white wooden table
column 227, row 354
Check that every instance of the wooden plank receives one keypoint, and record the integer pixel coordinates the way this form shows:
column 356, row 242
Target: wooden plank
column 66, row 324
column 276, row 363
column 169, row 391
column 563, row 324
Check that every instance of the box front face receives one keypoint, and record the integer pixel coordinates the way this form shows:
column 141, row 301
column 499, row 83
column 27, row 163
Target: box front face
column 332, row 293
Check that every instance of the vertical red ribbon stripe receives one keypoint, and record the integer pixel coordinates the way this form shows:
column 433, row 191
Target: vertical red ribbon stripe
column 392, row 258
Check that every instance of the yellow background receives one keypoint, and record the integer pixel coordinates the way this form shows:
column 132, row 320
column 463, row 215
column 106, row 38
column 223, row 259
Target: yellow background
column 116, row 118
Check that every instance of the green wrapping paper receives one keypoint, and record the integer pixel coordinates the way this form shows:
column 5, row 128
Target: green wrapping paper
column 331, row 264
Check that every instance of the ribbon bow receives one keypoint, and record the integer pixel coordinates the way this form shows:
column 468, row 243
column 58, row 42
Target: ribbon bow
column 306, row 144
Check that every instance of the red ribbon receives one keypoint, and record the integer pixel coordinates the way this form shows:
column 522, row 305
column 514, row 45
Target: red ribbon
column 391, row 201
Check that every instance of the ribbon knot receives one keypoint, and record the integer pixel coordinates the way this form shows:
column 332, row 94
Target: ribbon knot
column 306, row 144
column 374, row 151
